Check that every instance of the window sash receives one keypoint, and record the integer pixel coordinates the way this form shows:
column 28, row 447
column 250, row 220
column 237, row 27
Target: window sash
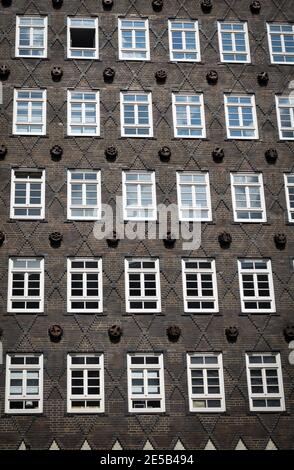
column 25, row 298
column 142, row 299
column 136, row 188
column 286, row 132
column 194, row 131
column 29, row 125
column 201, row 298
column 86, row 127
column 34, row 50
column 201, row 212
column 249, row 198
column 133, row 52
column 29, row 193
column 257, row 278
column 233, row 52
column 184, row 51
column 84, row 190
column 85, row 53
column 242, row 131
column 282, row 56
column 133, row 129
column 289, row 192
column 84, row 298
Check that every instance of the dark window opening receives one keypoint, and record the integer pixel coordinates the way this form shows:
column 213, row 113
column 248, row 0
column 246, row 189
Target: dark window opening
column 83, row 38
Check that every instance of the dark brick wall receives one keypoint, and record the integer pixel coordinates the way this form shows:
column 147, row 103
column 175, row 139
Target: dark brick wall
column 26, row 333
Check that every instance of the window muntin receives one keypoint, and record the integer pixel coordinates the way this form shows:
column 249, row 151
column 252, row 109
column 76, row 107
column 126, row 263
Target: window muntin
column 29, row 114
column 24, row 383
column 146, row 383
column 82, row 38
column 83, row 113
column 289, row 190
column 83, row 195
column 241, row 119
column 31, row 36
column 26, row 285
column 206, row 382
column 133, row 39
column 265, row 382
column 248, row 197
column 142, row 285
column 194, row 196
column 85, row 383
column 139, row 195
column 285, row 116
column 27, row 194
column 234, row 42
column 188, row 116
column 281, row 43
column 84, row 285
column 136, row 115
column 184, row 43
column 199, row 285
column 256, row 286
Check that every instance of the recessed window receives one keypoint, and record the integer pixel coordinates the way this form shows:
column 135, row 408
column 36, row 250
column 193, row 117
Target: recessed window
column 188, row 116
column 289, row 189
column 85, row 393
column 29, row 113
column 27, row 194
column 265, row 382
column 206, row 382
column 184, row 44
column 146, row 383
column 24, row 383
column 139, row 195
column 83, row 195
column 26, row 285
column 194, row 196
column 133, row 39
column 199, row 285
column 142, row 285
column 241, row 119
column 248, row 197
column 256, row 286
column 82, row 38
column 31, row 37
column 84, row 285
column 233, row 42
column 136, row 115
column 83, row 113
column 285, row 116
column 281, row 43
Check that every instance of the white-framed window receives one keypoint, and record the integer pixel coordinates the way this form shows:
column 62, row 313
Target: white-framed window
column 206, row 382
column 84, row 284
column 142, row 280
column 289, row 190
column 29, row 112
column 241, row 118
column 27, row 194
column 83, row 114
column 139, row 195
column 194, row 200
column 281, row 43
column 199, row 285
column 248, row 197
column 24, row 383
column 26, row 285
column 285, row 117
column 265, row 382
column 188, row 116
column 136, row 114
column 256, row 286
column 82, row 38
column 133, row 39
column 31, row 36
column 184, row 43
column 85, row 383
column 146, row 383
column 233, row 42
column 83, row 195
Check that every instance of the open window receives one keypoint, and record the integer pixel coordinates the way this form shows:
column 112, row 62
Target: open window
column 82, row 38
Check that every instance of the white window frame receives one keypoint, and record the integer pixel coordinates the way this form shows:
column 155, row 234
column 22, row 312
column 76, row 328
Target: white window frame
column 199, row 271
column 70, row 206
column 138, row 184
column 206, row 396
column 284, row 53
column 69, row 48
column 248, row 209
column 181, row 208
column 288, row 185
column 142, row 271
column 253, row 128
column 25, row 397
column 25, row 298
column 84, row 271
column 147, row 397
column 84, row 124
column 256, row 298
column 188, row 104
column 234, row 51
column 134, row 49
column 27, row 183
column 289, row 106
column 31, row 47
column 183, row 31
column 85, row 368
column 266, row 396
column 135, row 126
column 17, row 100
